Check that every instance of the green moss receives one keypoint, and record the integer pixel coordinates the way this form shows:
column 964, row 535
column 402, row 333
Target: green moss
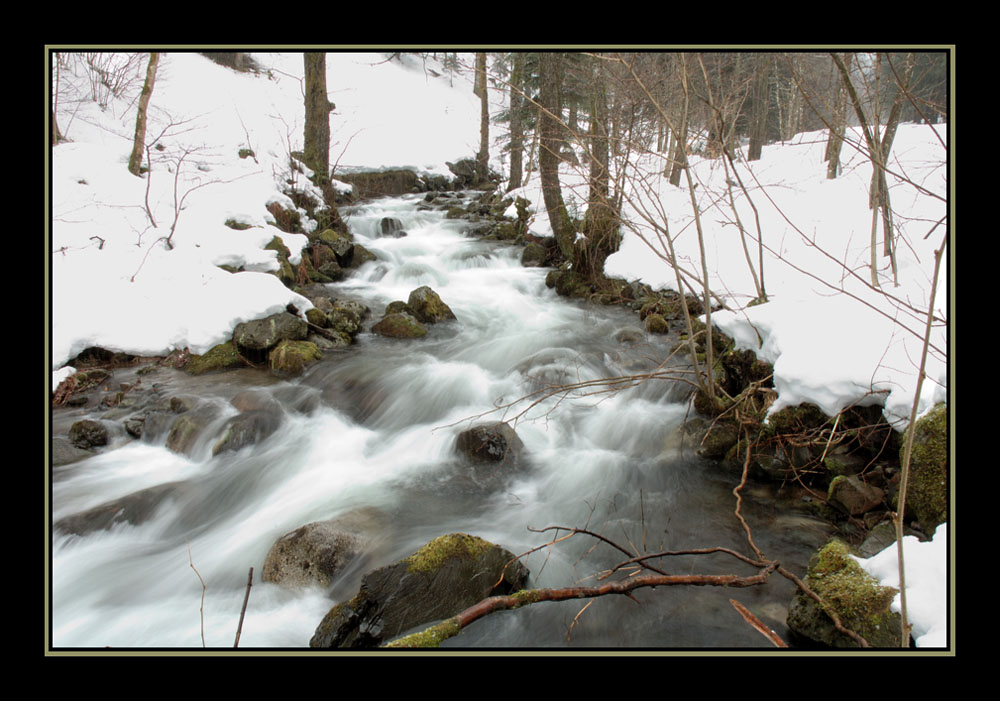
column 400, row 325
column 927, row 494
column 220, row 357
column 525, row 597
column 438, row 551
column 291, row 357
column 431, row 637
column 861, row 603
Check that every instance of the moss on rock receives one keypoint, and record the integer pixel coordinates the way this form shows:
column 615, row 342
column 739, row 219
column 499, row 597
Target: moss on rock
column 861, row 603
column 927, row 494
column 220, row 357
column 292, row 357
column 455, row 545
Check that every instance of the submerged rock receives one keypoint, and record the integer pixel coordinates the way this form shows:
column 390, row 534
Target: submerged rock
column 134, row 509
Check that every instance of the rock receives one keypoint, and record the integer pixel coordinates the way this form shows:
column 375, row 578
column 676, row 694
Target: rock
column 428, row 307
column 340, row 242
column 534, row 255
column 390, row 226
column 655, row 323
column 853, row 496
column 464, row 172
column 346, row 316
column 135, row 509
column 446, row 576
column 247, row 428
column 189, row 427
column 361, row 255
column 88, row 434
column 492, row 443
column 927, row 493
column 400, row 325
column 264, row 334
column 316, row 317
column 720, row 438
column 314, row 554
column 220, row 357
column 292, row 357
column 861, row 603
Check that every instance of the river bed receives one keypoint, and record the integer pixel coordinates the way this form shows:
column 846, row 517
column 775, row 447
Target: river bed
column 371, row 430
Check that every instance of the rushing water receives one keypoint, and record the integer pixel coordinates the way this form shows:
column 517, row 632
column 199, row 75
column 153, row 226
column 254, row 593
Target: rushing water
column 371, row 430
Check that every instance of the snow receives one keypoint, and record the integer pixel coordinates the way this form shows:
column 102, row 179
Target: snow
column 832, row 338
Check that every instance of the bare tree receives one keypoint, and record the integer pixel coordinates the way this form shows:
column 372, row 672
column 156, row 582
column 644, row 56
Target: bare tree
column 139, row 142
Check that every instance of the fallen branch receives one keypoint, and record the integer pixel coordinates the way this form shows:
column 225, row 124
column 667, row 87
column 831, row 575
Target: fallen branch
column 435, row 635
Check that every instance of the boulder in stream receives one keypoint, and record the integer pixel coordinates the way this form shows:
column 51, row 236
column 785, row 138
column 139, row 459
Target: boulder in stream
column 428, row 306
column 443, row 578
column 496, row 443
column 400, row 325
column 314, row 554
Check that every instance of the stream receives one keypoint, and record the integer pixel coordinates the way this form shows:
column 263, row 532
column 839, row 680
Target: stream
column 371, row 430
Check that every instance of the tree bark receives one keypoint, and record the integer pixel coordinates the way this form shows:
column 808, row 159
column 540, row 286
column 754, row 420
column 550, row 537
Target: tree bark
column 483, row 157
column 838, row 128
column 601, row 222
column 139, row 141
column 317, row 127
column 550, row 136
column 516, row 123
column 758, row 127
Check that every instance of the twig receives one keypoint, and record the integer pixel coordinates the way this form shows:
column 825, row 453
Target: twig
column 203, row 588
column 758, row 624
column 243, row 611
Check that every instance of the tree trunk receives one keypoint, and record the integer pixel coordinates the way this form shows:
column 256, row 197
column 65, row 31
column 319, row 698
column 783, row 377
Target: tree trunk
column 838, row 128
column 516, row 124
column 550, row 132
column 139, row 142
column 758, row 126
column 483, row 157
column 316, row 147
column 317, row 127
column 601, row 222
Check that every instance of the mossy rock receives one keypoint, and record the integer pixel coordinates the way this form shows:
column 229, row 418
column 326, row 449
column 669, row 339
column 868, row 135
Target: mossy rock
column 398, row 307
column 861, row 603
column 360, row 256
column 439, row 580
column 795, row 419
column 655, row 323
column 88, row 434
column 316, row 317
column 220, row 357
column 339, row 241
column 927, row 494
column 292, row 357
column 428, row 306
column 400, row 325
column 279, row 247
column 568, row 283
column 534, row 255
